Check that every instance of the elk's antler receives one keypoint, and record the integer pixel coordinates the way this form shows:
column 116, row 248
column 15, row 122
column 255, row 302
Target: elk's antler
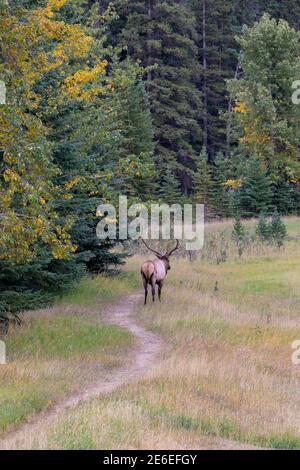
column 156, row 252
column 174, row 249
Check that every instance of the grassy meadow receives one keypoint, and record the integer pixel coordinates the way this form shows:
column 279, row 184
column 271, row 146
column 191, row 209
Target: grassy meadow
column 224, row 380
column 57, row 351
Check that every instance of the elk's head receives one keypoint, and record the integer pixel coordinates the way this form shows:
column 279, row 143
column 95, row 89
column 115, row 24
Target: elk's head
column 164, row 257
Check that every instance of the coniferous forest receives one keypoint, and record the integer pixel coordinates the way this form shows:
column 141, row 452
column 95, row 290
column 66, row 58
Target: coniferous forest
column 159, row 100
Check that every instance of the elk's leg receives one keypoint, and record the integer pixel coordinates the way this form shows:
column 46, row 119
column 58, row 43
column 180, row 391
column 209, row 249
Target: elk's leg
column 160, row 284
column 145, row 282
column 153, row 283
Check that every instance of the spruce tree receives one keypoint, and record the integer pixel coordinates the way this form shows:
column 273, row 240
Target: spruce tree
column 202, row 178
column 263, row 229
column 36, row 284
column 239, row 235
column 278, row 230
column 284, row 197
column 162, row 36
column 169, row 189
column 133, row 150
column 255, row 194
column 219, row 193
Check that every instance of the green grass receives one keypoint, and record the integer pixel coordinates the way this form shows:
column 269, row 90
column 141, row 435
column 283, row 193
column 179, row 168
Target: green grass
column 17, row 406
column 64, row 338
column 293, row 226
column 264, row 283
column 90, row 290
column 286, row 441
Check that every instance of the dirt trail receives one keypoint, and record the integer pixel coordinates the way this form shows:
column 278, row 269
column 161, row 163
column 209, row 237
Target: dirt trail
column 144, row 357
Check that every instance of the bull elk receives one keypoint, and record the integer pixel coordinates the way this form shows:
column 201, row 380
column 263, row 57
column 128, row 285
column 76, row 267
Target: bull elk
column 154, row 272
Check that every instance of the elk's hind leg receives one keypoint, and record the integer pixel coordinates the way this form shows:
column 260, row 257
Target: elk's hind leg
column 160, row 284
column 145, row 282
column 153, row 284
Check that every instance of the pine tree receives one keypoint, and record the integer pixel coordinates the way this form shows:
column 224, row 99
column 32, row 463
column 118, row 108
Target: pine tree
column 284, row 197
column 35, row 284
column 263, row 229
column 133, row 153
column 239, row 235
column 202, row 179
column 278, row 230
column 169, row 189
column 219, row 193
column 104, row 149
column 255, row 194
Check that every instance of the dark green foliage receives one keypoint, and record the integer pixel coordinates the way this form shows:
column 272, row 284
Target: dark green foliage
column 255, row 194
column 165, row 36
column 202, row 178
column 35, row 284
column 87, row 143
column 216, row 27
column 133, row 140
column 219, row 194
column 289, row 10
column 162, row 35
column 286, row 198
column 169, row 189
column 76, row 154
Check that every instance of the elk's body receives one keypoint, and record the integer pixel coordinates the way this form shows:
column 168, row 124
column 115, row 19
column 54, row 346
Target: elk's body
column 154, row 272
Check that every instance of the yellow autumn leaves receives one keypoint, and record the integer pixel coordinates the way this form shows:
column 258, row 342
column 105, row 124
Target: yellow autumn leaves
column 32, row 45
column 52, row 6
column 74, row 86
column 233, row 184
column 253, row 131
